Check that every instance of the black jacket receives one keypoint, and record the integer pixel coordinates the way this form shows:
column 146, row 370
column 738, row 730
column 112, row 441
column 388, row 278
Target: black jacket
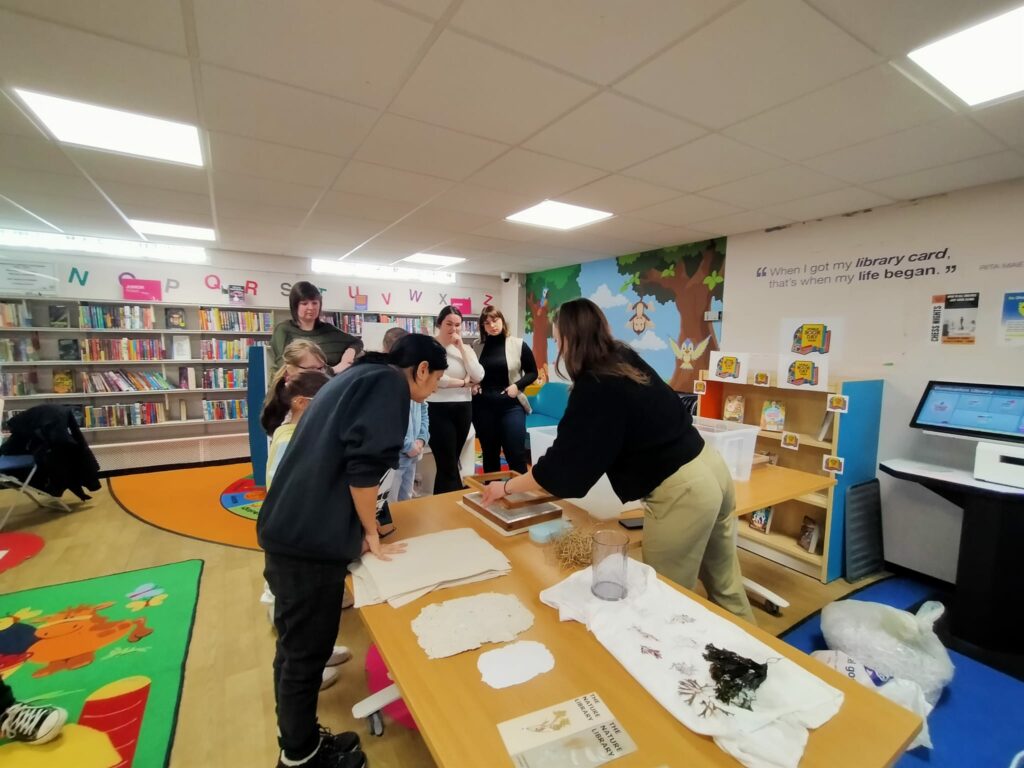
column 63, row 458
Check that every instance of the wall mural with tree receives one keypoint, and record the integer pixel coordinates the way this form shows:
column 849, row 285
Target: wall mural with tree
column 654, row 300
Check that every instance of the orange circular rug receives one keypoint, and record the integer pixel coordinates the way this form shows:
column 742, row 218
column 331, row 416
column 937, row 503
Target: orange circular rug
column 189, row 502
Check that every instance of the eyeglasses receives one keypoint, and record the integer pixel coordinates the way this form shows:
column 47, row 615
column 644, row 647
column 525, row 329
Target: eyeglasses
column 320, row 368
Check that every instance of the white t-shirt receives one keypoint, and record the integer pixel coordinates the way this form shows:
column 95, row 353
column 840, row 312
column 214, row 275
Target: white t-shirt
column 459, row 370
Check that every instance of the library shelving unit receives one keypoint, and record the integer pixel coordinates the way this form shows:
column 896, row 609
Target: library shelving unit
column 151, row 383
column 853, row 436
column 352, row 322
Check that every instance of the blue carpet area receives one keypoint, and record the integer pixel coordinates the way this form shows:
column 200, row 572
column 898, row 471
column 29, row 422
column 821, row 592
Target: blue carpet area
column 979, row 721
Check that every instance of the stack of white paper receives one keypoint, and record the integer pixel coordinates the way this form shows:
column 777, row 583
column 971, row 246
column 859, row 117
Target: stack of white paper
column 430, row 562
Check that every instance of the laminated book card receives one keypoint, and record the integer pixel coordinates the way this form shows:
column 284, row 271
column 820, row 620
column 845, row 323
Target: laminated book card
column 729, row 367
column 579, row 732
column 797, row 372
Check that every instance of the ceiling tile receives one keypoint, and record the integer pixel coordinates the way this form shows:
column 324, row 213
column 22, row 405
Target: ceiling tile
column 737, row 223
column 926, row 146
column 363, row 207
column 511, row 230
column 607, row 39
column 238, row 154
column 593, row 242
column 357, row 50
column 247, row 106
column 473, row 87
column 155, row 204
column 260, row 213
column 267, row 191
column 433, row 9
column 107, row 166
column 1005, row 120
column 433, row 215
column 421, row 236
column 478, row 243
column 623, row 228
column 775, row 186
column 76, row 215
column 153, row 24
column 13, row 121
column 618, row 194
column 531, row 174
column 788, row 50
column 704, row 163
column 862, row 107
column 612, row 132
column 13, row 217
column 998, row 166
column 841, row 201
column 17, row 181
column 41, row 56
column 487, row 202
column 677, row 236
column 685, row 210
column 896, row 27
column 414, row 146
column 390, row 183
column 34, row 153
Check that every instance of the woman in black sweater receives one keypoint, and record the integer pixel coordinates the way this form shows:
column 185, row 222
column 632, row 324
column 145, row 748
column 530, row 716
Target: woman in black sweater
column 623, row 420
column 500, row 407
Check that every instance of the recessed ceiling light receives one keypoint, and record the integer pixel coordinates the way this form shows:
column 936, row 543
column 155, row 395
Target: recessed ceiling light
column 555, row 215
column 75, row 122
column 164, row 229
column 101, row 246
column 433, row 259
column 981, row 63
column 375, row 271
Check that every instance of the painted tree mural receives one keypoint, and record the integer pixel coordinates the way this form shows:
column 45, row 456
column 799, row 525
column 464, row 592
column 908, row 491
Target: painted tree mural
column 545, row 292
column 688, row 276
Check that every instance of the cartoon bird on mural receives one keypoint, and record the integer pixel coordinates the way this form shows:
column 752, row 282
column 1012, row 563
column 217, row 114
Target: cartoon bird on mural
column 639, row 322
column 687, row 352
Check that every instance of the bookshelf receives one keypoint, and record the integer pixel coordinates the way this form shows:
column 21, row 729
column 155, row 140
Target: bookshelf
column 852, row 436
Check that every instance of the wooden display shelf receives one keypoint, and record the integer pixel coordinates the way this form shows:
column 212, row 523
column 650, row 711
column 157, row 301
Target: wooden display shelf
column 769, row 485
column 780, row 542
column 814, row 499
column 804, row 439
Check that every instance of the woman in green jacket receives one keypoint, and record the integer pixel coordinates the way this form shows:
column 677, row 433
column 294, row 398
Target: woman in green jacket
column 305, row 302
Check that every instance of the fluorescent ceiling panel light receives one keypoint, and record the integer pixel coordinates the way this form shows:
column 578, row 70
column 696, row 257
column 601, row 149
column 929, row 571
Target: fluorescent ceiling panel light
column 378, row 272
column 87, row 125
column 164, row 229
column 555, row 215
column 433, row 259
column 101, row 246
column 981, row 63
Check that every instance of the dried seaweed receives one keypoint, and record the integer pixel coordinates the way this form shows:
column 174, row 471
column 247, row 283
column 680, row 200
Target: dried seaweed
column 691, row 690
column 650, row 651
column 736, row 678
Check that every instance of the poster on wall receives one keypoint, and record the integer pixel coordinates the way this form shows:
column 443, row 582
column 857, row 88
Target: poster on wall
column 28, row 278
column 729, row 367
column 799, row 372
column 811, row 336
column 954, row 318
column 1011, row 331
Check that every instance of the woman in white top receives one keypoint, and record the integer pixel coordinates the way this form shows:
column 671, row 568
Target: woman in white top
column 451, row 407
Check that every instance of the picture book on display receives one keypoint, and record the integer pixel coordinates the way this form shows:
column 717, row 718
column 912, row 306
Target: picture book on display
column 773, row 416
column 63, row 382
column 733, row 409
column 68, row 349
column 810, row 532
column 174, row 317
column 59, row 316
column 761, row 519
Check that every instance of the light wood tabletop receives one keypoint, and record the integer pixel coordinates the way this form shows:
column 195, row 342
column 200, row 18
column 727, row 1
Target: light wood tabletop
column 458, row 714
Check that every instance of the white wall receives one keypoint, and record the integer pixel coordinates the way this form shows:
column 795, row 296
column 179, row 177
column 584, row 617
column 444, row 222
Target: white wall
column 883, row 328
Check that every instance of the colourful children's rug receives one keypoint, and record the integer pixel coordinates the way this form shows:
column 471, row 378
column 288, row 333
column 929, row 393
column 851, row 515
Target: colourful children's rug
column 17, row 547
column 111, row 651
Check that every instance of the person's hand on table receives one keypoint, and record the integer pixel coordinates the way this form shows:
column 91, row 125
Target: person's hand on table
column 381, row 551
column 493, row 492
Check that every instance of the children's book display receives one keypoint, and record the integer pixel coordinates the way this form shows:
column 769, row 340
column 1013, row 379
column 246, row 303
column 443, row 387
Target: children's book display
column 773, row 416
column 761, row 519
column 810, row 532
column 733, row 409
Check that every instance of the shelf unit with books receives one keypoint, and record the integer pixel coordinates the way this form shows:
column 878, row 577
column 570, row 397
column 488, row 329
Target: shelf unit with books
column 853, row 436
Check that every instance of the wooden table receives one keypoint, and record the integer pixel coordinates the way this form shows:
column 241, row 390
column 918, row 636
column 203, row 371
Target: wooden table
column 458, row 714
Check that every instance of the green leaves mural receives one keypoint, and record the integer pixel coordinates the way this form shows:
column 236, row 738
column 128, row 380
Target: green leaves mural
column 545, row 292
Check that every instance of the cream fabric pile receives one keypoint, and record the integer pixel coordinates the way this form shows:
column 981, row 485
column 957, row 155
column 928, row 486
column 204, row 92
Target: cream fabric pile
column 659, row 635
column 433, row 561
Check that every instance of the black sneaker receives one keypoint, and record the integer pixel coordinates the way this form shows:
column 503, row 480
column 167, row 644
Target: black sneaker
column 338, row 743
column 327, row 759
column 33, row 725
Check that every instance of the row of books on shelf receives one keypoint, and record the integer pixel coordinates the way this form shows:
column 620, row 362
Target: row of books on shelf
column 14, row 315
column 128, row 316
column 213, row 378
column 216, row 349
column 810, row 529
column 216, row 319
column 220, row 410
column 120, row 415
column 773, row 415
column 119, row 380
column 19, row 350
column 18, row 384
column 110, row 349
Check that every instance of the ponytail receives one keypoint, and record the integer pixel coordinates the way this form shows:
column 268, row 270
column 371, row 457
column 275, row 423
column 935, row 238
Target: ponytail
column 283, row 391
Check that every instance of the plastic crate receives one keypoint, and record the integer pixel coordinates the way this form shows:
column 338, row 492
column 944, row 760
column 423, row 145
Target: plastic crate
column 734, row 441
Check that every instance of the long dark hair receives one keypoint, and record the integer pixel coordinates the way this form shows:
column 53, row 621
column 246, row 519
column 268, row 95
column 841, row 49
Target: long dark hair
column 286, row 389
column 409, row 351
column 303, row 291
column 489, row 312
column 588, row 345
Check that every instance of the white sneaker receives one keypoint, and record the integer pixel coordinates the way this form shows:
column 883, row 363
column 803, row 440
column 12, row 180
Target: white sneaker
column 330, row 677
column 33, row 725
column 340, row 656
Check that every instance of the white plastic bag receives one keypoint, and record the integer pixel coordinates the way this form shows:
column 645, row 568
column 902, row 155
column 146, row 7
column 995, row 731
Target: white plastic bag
column 891, row 642
column 906, row 693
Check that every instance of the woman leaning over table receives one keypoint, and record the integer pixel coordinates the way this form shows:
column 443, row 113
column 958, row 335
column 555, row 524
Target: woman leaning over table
column 623, row 420
column 500, row 408
column 305, row 302
column 451, row 408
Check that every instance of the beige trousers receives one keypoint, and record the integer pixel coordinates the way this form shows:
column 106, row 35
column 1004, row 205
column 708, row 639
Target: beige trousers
column 690, row 531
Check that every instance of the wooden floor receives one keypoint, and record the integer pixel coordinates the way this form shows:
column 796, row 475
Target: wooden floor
column 227, row 708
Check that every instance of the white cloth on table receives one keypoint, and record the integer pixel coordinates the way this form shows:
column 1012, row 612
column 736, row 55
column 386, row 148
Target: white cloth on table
column 659, row 635
column 433, row 561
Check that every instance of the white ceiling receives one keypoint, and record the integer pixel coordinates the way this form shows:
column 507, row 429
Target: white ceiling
column 376, row 128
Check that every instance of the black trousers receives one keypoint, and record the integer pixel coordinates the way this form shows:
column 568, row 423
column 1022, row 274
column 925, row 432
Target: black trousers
column 6, row 696
column 449, row 428
column 307, row 610
column 500, row 423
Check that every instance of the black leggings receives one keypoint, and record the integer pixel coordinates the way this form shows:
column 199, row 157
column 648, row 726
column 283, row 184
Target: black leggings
column 449, row 428
column 500, row 423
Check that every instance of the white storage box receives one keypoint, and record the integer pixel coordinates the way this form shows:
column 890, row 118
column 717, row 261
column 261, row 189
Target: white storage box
column 733, row 440
column 601, row 501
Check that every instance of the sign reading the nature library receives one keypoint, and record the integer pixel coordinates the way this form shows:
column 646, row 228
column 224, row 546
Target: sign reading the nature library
column 29, row 278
